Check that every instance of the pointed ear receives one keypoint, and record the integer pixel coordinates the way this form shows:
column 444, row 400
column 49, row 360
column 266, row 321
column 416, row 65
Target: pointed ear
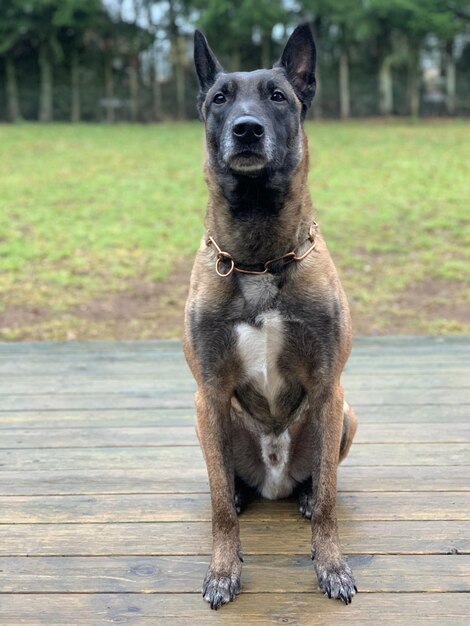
column 298, row 60
column 207, row 65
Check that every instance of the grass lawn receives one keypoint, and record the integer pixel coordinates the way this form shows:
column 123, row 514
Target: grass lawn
column 98, row 225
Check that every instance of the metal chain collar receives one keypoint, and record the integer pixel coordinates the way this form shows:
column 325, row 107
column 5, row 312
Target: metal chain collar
column 225, row 257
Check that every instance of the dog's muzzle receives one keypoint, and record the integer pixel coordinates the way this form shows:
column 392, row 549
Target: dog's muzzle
column 246, row 146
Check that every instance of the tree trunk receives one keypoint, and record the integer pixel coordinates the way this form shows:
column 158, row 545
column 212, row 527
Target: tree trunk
column 75, row 86
column 134, row 69
column 13, row 103
column 180, row 80
column 266, row 50
column 109, row 90
column 344, row 95
column 451, row 82
column 154, row 73
column 177, row 60
column 385, row 87
column 413, row 82
column 134, row 87
column 156, row 89
column 46, row 84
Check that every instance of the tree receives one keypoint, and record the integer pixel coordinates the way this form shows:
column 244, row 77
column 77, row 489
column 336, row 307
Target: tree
column 349, row 26
column 257, row 20
column 44, row 38
column 76, row 21
column 246, row 25
column 433, row 17
column 14, row 26
column 154, row 29
column 461, row 14
column 120, row 43
column 414, row 21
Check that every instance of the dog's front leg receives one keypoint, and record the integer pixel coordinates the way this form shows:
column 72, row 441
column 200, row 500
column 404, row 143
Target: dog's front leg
column 222, row 581
column 334, row 574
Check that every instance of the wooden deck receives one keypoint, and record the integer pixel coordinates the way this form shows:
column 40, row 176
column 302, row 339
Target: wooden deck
column 104, row 504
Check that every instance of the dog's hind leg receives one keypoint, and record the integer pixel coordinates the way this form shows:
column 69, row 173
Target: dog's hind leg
column 349, row 430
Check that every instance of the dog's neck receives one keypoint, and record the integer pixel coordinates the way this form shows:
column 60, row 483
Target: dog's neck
column 262, row 218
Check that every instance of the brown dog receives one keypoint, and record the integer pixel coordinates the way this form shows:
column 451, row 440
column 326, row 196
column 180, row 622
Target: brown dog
column 268, row 329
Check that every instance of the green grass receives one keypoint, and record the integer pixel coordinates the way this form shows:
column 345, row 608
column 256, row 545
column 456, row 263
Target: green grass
column 84, row 209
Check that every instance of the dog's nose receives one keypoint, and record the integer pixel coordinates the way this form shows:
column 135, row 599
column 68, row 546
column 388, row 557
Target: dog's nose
column 247, row 129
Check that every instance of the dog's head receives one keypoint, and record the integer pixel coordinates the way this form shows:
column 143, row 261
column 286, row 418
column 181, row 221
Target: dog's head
column 253, row 119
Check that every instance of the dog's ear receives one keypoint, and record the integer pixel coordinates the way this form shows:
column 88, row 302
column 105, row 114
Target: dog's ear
column 207, row 65
column 298, row 60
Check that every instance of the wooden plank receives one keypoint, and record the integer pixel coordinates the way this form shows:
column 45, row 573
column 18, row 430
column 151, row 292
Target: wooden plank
column 457, row 341
column 54, row 402
column 120, row 418
column 160, row 436
column 117, row 352
column 129, row 368
column 306, row 609
column 427, row 414
column 386, row 432
column 364, row 346
column 412, row 380
column 111, row 385
column 156, row 344
column 261, row 574
column 177, row 378
column 87, row 366
column 374, row 454
column 95, row 346
column 196, row 507
column 194, row 480
column 270, row 537
column 385, row 352
column 184, row 398
column 412, row 340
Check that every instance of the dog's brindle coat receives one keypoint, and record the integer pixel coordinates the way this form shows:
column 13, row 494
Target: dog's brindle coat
column 266, row 351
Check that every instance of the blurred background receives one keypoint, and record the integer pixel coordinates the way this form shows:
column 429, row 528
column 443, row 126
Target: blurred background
column 109, row 60
column 101, row 190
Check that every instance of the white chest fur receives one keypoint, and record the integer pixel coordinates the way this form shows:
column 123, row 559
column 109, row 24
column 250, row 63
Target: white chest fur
column 259, row 349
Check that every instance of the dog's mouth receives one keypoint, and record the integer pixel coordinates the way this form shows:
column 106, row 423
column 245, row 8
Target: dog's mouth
column 247, row 161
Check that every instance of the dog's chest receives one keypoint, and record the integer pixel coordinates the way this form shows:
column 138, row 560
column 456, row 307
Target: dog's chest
column 259, row 292
column 259, row 347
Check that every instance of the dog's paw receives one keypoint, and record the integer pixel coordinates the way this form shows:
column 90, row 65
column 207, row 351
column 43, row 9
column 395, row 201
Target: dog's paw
column 220, row 588
column 337, row 581
column 306, row 503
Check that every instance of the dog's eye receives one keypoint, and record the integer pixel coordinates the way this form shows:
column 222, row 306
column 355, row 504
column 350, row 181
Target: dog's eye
column 219, row 98
column 278, row 96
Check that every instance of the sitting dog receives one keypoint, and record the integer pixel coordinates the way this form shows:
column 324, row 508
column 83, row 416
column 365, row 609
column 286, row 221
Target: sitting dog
column 267, row 324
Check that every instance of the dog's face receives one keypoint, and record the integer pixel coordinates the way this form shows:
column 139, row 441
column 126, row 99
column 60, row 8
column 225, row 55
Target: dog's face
column 253, row 119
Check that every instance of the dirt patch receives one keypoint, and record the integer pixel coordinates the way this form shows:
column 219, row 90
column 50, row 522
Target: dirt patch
column 154, row 310
column 17, row 317
column 438, row 298
column 427, row 306
column 147, row 309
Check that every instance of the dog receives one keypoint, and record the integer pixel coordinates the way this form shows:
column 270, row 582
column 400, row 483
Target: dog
column 267, row 324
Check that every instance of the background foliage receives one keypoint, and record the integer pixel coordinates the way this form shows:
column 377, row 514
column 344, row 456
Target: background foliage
column 131, row 59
